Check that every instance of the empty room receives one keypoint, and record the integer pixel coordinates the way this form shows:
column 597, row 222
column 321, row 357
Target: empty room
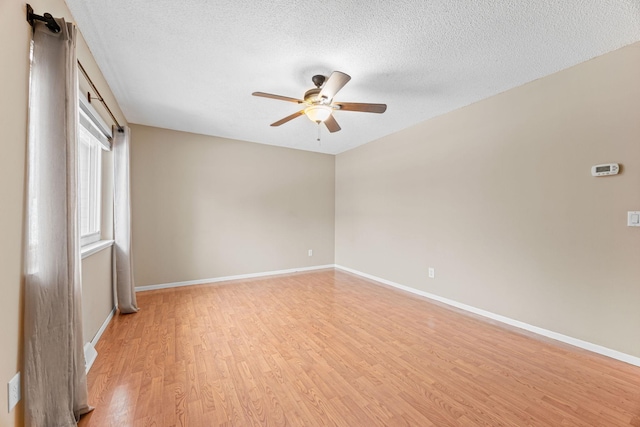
column 356, row 213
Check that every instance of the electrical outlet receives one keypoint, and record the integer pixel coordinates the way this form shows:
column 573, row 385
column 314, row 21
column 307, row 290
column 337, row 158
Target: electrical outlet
column 432, row 273
column 310, row 252
column 13, row 391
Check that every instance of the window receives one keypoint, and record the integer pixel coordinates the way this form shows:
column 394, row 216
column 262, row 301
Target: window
column 92, row 139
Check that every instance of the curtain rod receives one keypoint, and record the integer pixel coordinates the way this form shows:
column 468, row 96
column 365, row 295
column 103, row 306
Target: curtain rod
column 99, row 98
column 54, row 27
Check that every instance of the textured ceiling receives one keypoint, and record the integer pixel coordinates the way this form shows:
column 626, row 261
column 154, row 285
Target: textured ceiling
column 192, row 65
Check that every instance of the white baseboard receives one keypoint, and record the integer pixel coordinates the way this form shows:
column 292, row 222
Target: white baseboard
column 98, row 334
column 226, row 278
column 614, row 354
column 90, row 353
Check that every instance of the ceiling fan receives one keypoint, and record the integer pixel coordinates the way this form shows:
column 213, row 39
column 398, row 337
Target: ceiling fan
column 318, row 102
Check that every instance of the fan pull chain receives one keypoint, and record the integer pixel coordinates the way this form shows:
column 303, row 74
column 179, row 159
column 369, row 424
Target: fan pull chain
column 320, row 143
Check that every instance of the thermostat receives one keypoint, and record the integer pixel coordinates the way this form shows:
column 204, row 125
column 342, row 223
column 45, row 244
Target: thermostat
column 605, row 169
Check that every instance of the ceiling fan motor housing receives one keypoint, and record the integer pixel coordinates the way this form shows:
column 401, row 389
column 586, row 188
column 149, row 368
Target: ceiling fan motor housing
column 311, row 96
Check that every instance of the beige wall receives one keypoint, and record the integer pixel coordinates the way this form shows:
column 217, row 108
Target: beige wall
column 15, row 35
column 97, row 292
column 206, row 207
column 499, row 199
column 14, row 49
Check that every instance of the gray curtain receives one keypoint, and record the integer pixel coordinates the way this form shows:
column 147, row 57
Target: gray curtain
column 125, row 286
column 55, row 387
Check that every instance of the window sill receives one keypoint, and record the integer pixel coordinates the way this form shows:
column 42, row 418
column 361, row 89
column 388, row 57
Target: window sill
column 93, row 248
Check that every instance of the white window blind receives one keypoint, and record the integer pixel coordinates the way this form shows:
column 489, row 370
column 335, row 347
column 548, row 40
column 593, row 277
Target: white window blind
column 91, row 141
column 89, row 162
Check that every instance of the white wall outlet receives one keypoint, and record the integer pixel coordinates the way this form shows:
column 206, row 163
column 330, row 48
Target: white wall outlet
column 13, row 391
column 633, row 218
column 432, row 273
column 310, row 252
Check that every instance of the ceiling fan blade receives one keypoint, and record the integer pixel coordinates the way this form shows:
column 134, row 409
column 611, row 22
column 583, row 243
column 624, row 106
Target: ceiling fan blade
column 331, row 124
column 366, row 108
column 280, row 97
column 336, row 81
column 286, row 119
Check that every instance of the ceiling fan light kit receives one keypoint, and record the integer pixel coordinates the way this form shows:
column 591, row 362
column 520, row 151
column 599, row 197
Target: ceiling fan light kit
column 319, row 106
column 318, row 113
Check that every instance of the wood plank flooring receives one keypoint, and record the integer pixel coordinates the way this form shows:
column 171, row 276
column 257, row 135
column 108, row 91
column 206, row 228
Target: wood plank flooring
column 330, row 348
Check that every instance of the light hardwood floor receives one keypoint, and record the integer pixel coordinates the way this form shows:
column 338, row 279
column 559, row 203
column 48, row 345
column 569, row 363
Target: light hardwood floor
column 330, row 348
